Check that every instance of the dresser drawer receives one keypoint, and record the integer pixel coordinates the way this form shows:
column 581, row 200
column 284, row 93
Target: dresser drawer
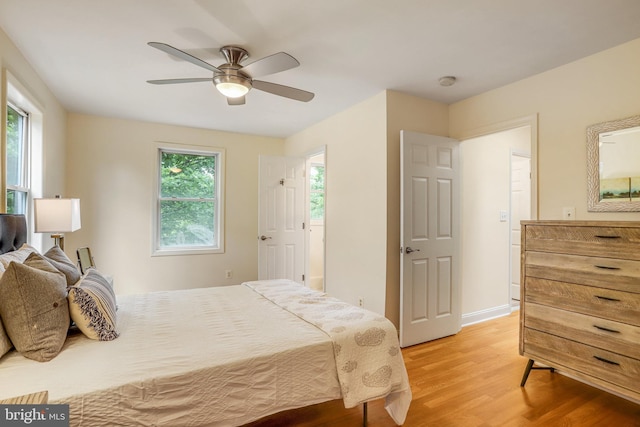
column 616, row 337
column 617, row 274
column 604, row 365
column 604, row 303
column 600, row 241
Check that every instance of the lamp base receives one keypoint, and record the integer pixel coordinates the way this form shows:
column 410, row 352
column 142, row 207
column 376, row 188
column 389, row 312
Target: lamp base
column 59, row 240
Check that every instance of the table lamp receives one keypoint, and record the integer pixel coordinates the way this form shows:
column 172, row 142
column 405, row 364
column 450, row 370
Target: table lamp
column 57, row 216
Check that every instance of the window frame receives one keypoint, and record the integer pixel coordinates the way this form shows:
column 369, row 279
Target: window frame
column 13, row 91
column 219, row 198
column 24, row 185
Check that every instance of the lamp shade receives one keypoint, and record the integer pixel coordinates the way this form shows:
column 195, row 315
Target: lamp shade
column 56, row 215
column 232, row 86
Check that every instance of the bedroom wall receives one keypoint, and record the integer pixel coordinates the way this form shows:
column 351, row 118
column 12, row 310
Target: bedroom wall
column 356, row 199
column 54, row 117
column 112, row 168
column 367, row 138
column 485, row 190
column 601, row 87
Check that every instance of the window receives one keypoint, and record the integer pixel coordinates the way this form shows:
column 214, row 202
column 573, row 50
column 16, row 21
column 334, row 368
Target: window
column 22, row 173
column 189, row 204
column 317, row 192
column 17, row 160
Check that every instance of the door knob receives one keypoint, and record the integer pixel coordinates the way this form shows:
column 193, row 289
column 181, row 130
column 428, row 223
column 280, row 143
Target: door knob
column 408, row 250
column 263, row 237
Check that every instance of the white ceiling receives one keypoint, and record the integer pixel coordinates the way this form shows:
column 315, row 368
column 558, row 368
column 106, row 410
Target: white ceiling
column 93, row 54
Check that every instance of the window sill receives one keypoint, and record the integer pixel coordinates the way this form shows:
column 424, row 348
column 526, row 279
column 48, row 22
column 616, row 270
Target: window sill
column 186, row 251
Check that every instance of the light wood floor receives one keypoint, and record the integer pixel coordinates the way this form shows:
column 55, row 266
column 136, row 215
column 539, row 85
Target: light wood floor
column 472, row 379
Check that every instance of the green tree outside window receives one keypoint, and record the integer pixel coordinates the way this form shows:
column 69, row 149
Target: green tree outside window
column 187, row 200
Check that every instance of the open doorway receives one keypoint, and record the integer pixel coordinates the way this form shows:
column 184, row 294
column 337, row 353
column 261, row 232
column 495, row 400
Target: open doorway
column 316, row 191
column 490, row 227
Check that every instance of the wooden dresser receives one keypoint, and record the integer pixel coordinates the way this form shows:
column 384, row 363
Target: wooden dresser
column 580, row 301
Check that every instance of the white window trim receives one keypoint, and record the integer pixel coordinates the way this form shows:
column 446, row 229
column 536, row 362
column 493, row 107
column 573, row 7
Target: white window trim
column 14, row 92
column 26, row 153
column 158, row 147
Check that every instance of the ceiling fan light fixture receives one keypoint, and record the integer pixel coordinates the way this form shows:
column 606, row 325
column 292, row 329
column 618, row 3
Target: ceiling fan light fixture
column 232, row 86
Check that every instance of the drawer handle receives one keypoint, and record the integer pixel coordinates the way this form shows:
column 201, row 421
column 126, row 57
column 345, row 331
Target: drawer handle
column 607, row 237
column 602, row 328
column 602, row 359
column 607, row 298
column 606, row 267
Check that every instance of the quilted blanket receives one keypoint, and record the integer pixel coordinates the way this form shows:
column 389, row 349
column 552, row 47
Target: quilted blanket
column 366, row 348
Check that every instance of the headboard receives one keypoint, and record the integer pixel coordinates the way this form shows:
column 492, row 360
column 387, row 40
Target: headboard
column 13, row 232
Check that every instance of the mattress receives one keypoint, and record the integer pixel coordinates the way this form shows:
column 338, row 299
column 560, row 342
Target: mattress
column 219, row 356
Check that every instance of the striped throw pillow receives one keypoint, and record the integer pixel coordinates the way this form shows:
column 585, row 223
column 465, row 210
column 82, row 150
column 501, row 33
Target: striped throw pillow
column 92, row 306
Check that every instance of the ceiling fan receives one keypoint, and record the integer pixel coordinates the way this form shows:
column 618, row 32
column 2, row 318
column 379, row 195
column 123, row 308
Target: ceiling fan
column 234, row 80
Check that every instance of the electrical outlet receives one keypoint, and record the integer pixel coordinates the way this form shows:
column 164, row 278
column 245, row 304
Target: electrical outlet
column 360, row 301
column 569, row 213
column 228, row 274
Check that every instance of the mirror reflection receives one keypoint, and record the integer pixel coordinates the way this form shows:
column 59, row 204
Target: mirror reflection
column 619, row 153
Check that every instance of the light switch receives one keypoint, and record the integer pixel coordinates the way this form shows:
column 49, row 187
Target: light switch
column 503, row 216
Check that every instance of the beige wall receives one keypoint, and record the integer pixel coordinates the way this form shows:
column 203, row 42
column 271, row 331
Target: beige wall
column 54, row 117
column 568, row 99
column 356, row 204
column 112, row 169
column 363, row 193
column 486, row 190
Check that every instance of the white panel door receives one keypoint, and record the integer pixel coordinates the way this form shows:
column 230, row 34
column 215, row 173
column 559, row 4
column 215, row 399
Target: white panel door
column 281, row 219
column 520, row 210
column 430, row 305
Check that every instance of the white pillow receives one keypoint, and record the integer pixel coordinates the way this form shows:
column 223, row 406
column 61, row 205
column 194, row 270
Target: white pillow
column 19, row 255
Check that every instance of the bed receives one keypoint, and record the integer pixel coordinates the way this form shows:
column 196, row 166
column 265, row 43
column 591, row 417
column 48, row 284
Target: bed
column 219, row 356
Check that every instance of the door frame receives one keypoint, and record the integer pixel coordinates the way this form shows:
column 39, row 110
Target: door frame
column 307, row 236
column 524, row 155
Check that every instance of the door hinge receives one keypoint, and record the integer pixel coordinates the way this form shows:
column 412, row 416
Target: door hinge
column 303, row 225
column 303, row 277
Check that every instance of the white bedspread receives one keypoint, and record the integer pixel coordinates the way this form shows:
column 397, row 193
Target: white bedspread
column 366, row 347
column 201, row 357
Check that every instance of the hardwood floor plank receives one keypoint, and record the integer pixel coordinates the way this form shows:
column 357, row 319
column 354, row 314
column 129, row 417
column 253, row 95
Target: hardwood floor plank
column 472, row 379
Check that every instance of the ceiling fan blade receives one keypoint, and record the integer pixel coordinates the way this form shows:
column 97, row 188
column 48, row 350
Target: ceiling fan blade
column 286, row 91
column 271, row 64
column 182, row 55
column 173, row 81
column 236, row 101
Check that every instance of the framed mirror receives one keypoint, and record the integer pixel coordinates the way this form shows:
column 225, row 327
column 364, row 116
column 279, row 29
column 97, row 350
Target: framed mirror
column 613, row 166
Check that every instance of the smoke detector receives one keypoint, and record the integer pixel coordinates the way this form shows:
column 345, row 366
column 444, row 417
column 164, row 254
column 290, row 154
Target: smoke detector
column 447, row 80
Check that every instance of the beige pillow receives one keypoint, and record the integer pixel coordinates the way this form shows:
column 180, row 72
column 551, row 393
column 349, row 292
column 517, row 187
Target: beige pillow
column 5, row 342
column 61, row 261
column 92, row 306
column 34, row 308
column 19, row 255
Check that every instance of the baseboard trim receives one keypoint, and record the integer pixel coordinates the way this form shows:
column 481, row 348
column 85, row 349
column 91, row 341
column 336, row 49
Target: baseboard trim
column 487, row 314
